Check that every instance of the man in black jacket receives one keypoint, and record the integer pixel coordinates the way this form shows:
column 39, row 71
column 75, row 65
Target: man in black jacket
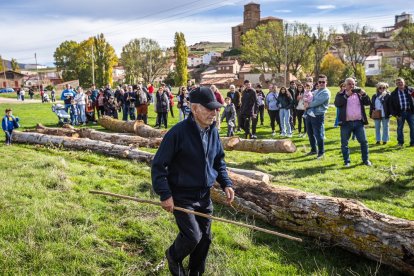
column 248, row 110
column 292, row 90
column 400, row 105
column 190, row 159
column 352, row 118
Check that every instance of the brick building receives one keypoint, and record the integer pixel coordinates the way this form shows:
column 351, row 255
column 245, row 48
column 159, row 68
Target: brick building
column 251, row 19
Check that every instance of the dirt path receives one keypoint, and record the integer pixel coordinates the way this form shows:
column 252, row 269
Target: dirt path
column 15, row 101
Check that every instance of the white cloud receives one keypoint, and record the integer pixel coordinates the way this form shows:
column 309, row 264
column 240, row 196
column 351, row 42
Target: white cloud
column 326, row 7
column 282, row 11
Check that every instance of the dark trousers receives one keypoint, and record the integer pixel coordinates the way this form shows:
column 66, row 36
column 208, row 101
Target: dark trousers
column 128, row 110
column 261, row 113
column 315, row 129
column 292, row 118
column 409, row 117
column 357, row 128
column 245, row 124
column 255, row 120
column 274, row 116
column 299, row 114
column 238, row 115
column 9, row 135
column 162, row 118
column 172, row 111
column 194, row 238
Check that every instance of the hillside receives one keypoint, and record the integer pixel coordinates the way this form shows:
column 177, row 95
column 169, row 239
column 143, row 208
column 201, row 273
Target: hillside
column 206, row 46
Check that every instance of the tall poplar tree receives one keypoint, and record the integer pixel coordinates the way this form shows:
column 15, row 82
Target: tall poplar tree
column 181, row 55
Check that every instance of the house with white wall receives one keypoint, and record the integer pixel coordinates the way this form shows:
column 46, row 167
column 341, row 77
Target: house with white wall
column 372, row 65
column 207, row 57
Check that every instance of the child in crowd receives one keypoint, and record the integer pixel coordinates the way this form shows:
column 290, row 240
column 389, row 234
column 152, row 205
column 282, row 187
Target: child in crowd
column 111, row 109
column 8, row 124
column 229, row 114
column 307, row 98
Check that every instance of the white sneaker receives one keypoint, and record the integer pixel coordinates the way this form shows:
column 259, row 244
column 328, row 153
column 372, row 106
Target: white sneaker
column 310, row 113
column 289, row 135
column 283, row 135
column 273, row 133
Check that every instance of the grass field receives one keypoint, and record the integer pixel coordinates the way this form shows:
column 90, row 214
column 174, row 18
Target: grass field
column 50, row 225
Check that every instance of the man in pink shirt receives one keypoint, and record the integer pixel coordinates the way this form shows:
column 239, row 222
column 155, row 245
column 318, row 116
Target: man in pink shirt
column 352, row 118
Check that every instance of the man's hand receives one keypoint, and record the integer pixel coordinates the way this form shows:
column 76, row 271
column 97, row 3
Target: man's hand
column 229, row 194
column 168, row 204
column 348, row 92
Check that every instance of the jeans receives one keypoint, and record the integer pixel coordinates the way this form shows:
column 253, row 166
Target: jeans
column 284, row 121
column 9, row 135
column 67, row 107
column 315, row 128
column 81, row 112
column 292, row 118
column 357, row 128
column 337, row 118
column 162, row 118
column 74, row 115
column 128, row 110
column 409, row 117
column 261, row 114
column 385, row 132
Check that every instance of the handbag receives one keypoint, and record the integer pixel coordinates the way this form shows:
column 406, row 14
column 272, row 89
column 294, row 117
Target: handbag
column 376, row 114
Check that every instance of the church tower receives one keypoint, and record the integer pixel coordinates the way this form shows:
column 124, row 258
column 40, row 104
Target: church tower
column 251, row 16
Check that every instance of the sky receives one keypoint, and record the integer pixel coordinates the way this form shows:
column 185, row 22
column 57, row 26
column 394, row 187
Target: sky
column 40, row 26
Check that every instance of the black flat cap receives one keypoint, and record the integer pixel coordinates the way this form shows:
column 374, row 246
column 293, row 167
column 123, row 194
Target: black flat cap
column 205, row 97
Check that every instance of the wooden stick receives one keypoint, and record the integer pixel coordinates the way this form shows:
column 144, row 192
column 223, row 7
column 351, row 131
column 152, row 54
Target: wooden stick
column 199, row 214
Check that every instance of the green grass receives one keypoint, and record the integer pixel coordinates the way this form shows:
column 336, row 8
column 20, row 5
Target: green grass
column 51, row 225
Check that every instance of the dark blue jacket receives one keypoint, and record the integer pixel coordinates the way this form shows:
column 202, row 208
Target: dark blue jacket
column 180, row 167
column 9, row 125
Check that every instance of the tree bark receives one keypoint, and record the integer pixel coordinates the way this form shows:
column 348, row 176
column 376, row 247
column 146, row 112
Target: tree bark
column 229, row 143
column 256, row 175
column 256, row 145
column 343, row 222
column 83, row 144
column 115, row 138
column 137, row 127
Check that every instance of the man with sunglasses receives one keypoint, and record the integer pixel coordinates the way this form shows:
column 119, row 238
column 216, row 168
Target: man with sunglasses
column 402, row 107
column 315, row 125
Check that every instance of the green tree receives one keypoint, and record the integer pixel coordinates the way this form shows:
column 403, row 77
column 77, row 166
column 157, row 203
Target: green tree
column 360, row 75
column 130, row 59
column 15, row 66
column 85, row 57
column 153, row 62
column 321, row 42
column 105, row 58
column 299, row 41
column 66, row 60
column 333, row 68
column 1, row 64
column 264, row 46
column 181, row 55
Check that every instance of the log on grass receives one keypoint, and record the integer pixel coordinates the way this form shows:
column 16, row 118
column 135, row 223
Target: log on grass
column 68, row 132
column 258, row 145
column 82, row 144
column 138, row 127
column 256, row 175
column 343, row 222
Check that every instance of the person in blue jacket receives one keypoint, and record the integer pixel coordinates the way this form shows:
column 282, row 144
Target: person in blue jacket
column 67, row 97
column 8, row 124
column 188, row 162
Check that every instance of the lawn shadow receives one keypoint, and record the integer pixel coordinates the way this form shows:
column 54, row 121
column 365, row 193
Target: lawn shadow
column 391, row 187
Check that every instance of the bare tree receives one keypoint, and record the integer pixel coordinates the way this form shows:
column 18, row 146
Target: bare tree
column 321, row 42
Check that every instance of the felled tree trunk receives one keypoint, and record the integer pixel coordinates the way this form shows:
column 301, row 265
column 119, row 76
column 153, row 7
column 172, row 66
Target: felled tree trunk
column 343, row 222
column 258, row 145
column 229, row 143
column 137, row 127
column 82, row 144
column 256, row 175
column 69, row 132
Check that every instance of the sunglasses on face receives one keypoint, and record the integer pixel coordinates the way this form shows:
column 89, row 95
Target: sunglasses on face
column 321, row 81
column 381, row 88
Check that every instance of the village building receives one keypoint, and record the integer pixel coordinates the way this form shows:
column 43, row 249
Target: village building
column 251, row 19
column 228, row 67
column 11, row 79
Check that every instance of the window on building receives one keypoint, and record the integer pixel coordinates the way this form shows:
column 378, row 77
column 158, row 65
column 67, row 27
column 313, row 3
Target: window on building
column 371, row 65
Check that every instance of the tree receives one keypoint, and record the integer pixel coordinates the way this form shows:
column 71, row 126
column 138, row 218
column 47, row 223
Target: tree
column 85, row 58
column 299, row 41
column 1, row 65
column 405, row 42
column 360, row 75
column 181, row 55
column 321, row 42
column 356, row 45
column 105, row 60
column 265, row 47
column 66, row 60
column 130, row 59
column 333, row 68
column 15, row 66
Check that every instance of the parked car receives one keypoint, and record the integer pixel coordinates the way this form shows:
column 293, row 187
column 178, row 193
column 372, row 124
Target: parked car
column 6, row 90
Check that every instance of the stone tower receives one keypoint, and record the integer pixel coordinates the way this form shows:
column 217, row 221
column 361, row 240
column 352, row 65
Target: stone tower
column 251, row 16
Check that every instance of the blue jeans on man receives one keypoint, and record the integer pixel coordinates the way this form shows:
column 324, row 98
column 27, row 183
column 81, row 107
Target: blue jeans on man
column 67, row 107
column 316, row 130
column 409, row 117
column 357, row 128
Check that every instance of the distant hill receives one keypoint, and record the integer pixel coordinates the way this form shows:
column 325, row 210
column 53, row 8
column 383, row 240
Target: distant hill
column 206, row 46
